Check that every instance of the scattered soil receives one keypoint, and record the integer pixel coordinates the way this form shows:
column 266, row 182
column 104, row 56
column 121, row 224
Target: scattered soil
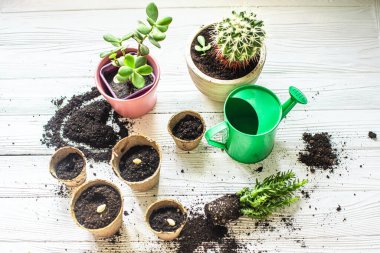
column 210, row 65
column 58, row 101
column 199, row 234
column 372, row 135
column 223, row 209
column 85, row 207
column 188, row 128
column 69, row 167
column 319, row 152
column 123, row 90
column 339, row 208
column 52, row 136
column 133, row 172
column 158, row 220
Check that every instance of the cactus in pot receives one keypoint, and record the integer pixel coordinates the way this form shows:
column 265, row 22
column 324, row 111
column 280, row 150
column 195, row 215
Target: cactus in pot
column 238, row 39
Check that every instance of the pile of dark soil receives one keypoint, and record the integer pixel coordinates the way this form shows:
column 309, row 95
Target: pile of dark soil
column 188, row 128
column 158, row 220
column 210, row 65
column 223, row 209
column 86, row 206
column 372, row 135
column 319, row 152
column 85, row 124
column 198, row 234
column 134, row 172
column 69, row 167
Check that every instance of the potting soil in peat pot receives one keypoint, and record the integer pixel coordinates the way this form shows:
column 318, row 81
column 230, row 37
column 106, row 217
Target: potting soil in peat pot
column 188, row 128
column 97, row 206
column 86, row 124
column 139, row 163
column 69, row 167
column 166, row 219
column 211, row 65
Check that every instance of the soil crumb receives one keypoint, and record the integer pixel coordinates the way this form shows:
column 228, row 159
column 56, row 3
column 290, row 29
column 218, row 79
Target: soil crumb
column 319, row 152
column 372, row 135
column 86, row 125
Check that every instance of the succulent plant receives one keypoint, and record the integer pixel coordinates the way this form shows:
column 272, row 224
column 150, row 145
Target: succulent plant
column 238, row 39
column 202, row 47
column 154, row 31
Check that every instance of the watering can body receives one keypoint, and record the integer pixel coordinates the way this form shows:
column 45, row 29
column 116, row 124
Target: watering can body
column 252, row 114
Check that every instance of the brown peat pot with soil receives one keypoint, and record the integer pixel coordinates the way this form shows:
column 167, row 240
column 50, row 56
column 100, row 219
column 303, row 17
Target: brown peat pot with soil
column 136, row 159
column 215, row 75
column 166, row 218
column 97, row 206
column 187, row 129
column 68, row 165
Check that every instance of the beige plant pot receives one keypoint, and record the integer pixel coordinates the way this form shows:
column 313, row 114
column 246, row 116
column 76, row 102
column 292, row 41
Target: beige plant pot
column 111, row 228
column 122, row 147
column 168, row 236
column 61, row 154
column 217, row 89
column 184, row 144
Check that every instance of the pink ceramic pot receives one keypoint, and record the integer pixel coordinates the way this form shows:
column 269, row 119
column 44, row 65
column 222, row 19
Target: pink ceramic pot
column 134, row 107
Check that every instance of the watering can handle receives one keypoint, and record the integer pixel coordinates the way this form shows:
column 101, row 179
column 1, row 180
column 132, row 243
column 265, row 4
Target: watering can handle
column 296, row 96
column 213, row 131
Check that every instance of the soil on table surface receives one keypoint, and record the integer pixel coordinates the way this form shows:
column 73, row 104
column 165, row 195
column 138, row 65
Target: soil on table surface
column 134, row 172
column 188, row 128
column 319, row 152
column 86, row 206
column 223, row 209
column 69, row 167
column 200, row 235
column 123, row 90
column 89, row 126
column 372, row 135
column 210, row 65
column 158, row 220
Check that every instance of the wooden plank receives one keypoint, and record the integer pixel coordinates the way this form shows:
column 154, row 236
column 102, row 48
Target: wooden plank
column 323, row 91
column 43, row 5
column 219, row 175
column 79, row 41
column 21, row 135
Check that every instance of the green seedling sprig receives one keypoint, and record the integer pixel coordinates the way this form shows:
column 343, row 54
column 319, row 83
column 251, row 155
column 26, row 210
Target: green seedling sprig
column 154, row 30
column 203, row 47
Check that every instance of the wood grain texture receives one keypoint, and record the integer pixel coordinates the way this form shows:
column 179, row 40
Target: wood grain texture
column 329, row 49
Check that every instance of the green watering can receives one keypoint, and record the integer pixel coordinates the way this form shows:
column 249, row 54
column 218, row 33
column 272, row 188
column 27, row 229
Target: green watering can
column 251, row 116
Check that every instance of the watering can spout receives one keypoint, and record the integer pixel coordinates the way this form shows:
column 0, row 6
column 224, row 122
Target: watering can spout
column 296, row 96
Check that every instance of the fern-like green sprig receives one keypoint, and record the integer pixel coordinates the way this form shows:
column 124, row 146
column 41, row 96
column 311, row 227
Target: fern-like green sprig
column 273, row 192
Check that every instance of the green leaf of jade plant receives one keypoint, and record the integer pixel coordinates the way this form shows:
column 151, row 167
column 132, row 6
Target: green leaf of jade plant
column 131, row 67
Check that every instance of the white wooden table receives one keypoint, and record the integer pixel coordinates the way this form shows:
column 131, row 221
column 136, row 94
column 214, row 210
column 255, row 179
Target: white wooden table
column 330, row 49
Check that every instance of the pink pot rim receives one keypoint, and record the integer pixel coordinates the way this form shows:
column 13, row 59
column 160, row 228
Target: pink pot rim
column 106, row 60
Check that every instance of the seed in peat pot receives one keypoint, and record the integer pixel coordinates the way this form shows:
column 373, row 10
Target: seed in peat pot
column 166, row 219
column 85, row 207
column 88, row 126
column 318, row 152
column 188, row 128
column 69, row 167
column 223, row 209
column 101, row 208
column 133, row 172
column 136, row 161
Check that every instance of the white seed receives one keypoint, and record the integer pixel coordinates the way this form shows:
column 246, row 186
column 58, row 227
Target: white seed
column 171, row 222
column 137, row 161
column 101, row 208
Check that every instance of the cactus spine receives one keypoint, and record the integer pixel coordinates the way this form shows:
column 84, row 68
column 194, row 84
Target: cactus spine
column 238, row 39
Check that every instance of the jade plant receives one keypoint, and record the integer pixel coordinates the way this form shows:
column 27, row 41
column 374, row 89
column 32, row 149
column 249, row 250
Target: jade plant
column 132, row 67
column 237, row 39
column 260, row 201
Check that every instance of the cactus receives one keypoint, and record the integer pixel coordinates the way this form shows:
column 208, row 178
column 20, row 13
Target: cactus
column 238, row 39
